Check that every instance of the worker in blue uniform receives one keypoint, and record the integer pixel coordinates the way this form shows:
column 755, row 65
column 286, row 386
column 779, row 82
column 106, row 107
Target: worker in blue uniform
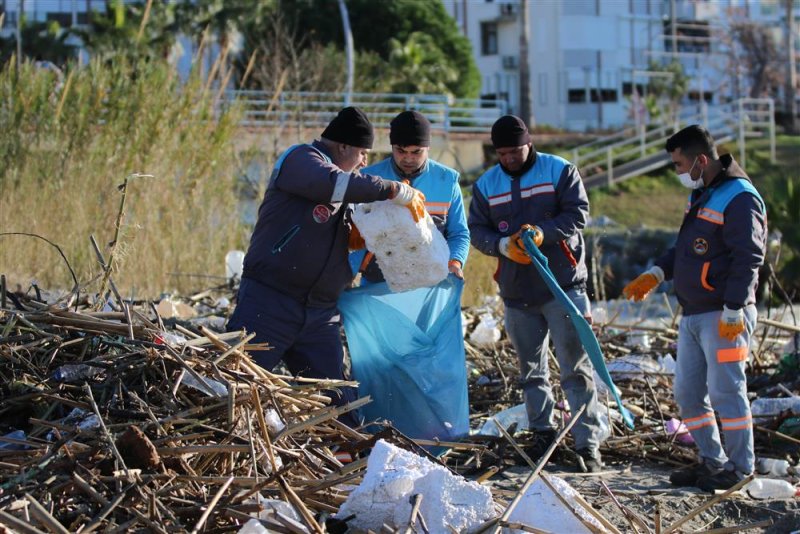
column 533, row 190
column 297, row 263
column 714, row 266
column 410, row 137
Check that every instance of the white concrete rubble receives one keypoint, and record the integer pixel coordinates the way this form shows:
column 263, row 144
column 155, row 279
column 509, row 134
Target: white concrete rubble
column 411, row 255
column 449, row 503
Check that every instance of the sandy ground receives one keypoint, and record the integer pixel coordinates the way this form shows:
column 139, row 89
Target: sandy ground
column 643, row 488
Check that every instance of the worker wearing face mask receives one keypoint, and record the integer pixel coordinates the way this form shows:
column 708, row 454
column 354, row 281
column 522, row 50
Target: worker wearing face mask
column 714, row 265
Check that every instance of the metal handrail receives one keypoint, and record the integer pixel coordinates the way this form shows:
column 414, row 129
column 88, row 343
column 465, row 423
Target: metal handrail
column 315, row 109
column 738, row 120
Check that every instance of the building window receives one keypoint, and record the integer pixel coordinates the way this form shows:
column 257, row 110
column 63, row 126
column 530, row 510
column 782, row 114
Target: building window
column 575, row 96
column 692, row 37
column 488, row 38
column 694, row 96
column 64, row 19
column 604, row 95
column 628, row 88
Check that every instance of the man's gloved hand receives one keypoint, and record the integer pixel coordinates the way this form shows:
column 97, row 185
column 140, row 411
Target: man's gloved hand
column 512, row 248
column 642, row 285
column 731, row 323
column 411, row 198
column 355, row 241
column 538, row 235
column 454, row 266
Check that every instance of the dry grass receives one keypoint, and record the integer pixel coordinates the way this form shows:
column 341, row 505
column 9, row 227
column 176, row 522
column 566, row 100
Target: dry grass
column 67, row 146
column 478, row 278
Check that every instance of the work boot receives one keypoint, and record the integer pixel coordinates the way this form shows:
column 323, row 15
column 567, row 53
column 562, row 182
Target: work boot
column 590, row 461
column 721, row 480
column 689, row 476
column 542, row 439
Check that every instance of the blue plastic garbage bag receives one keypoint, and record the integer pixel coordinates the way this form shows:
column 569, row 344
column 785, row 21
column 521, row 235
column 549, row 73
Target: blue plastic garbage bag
column 407, row 353
column 585, row 333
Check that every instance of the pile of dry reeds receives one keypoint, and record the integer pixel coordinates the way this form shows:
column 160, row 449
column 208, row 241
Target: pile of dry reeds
column 125, row 426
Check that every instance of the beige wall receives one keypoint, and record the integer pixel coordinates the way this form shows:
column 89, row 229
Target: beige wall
column 463, row 152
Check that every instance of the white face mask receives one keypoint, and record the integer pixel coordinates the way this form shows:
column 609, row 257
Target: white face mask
column 687, row 180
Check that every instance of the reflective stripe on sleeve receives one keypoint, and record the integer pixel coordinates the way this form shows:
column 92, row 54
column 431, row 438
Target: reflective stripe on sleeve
column 342, row 180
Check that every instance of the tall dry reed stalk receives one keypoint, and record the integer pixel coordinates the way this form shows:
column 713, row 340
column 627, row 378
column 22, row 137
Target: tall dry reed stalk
column 66, row 146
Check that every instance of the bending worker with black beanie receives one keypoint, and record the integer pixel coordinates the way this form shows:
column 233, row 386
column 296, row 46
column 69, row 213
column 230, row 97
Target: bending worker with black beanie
column 297, row 266
column 530, row 189
column 410, row 136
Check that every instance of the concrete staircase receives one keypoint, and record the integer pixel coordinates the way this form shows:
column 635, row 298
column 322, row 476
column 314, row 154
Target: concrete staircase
column 636, row 151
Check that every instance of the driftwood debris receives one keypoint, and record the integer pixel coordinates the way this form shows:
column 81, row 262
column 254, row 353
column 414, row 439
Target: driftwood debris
column 123, row 419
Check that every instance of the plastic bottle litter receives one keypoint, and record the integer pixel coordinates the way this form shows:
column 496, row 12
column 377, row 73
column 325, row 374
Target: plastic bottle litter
column 516, row 414
column 638, row 339
column 773, row 466
column 766, row 408
column 273, row 420
column 770, row 488
column 74, row 372
column 16, row 434
column 487, row 332
column 667, row 363
column 676, row 426
column 234, row 264
column 633, row 366
column 170, row 338
column 218, row 389
column 253, row 526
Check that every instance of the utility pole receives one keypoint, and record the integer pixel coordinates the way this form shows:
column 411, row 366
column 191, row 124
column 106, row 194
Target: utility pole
column 348, row 41
column 791, row 69
column 673, row 26
column 20, row 11
column 525, row 108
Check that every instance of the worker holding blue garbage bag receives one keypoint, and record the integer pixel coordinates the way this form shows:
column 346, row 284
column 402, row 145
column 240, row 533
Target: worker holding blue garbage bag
column 544, row 194
column 410, row 137
column 407, row 348
column 297, row 263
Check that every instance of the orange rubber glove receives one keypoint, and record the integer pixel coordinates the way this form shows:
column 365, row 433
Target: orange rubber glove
column 512, row 248
column 642, row 285
column 355, row 241
column 538, row 235
column 731, row 323
column 454, row 266
column 411, row 198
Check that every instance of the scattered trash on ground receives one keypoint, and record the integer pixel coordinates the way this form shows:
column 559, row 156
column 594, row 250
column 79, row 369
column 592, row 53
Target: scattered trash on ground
column 128, row 419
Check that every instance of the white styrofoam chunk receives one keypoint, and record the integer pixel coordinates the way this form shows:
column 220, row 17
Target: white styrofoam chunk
column 541, row 508
column 394, row 476
column 411, row 255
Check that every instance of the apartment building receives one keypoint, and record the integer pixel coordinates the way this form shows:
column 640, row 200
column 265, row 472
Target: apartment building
column 591, row 60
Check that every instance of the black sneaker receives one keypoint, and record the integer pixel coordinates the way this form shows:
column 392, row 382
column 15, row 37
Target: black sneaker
column 590, row 461
column 721, row 480
column 689, row 476
column 542, row 439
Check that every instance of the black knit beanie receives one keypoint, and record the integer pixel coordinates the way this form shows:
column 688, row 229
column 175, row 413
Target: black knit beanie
column 510, row 131
column 410, row 128
column 351, row 127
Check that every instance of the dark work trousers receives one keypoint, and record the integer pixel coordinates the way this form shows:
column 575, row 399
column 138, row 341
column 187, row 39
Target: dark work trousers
column 306, row 339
